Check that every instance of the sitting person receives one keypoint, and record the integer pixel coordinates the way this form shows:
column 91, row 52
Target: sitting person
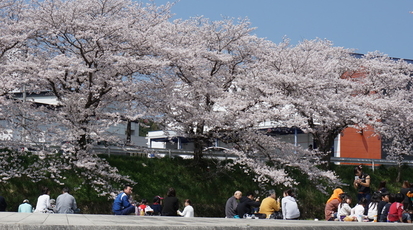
column 170, row 203
column 122, row 205
column 384, row 199
column 289, row 206
column 25, row 207
column 332, row 204
column 387, row 200
column 156, row 205
column 247, row 204
column 188, row 210
column 43, row 202
column 232, row 204
column 270, row 204
column 397, row 212
column 358, row 211
column 372, row 213
column 144, row 208
column 65, row 203
column 344, row 208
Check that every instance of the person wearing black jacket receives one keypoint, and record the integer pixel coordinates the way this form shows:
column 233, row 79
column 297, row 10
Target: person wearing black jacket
column 247, row 204
column 170, row 204
column 386, row 208
column 382, row 215
column 407, row 203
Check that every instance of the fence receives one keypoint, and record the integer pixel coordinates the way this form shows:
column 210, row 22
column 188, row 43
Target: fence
column 223, row 155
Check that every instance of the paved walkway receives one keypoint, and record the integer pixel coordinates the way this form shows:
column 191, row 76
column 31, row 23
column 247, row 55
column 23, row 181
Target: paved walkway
column 25, row 221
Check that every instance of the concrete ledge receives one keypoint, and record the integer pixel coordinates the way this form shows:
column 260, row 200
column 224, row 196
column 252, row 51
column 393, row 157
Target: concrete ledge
column 24, row 221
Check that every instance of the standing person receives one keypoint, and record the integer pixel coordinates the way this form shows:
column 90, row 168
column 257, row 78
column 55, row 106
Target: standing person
column 289, row 206
column 362, row 184
column 65, row 203
column 25, row 207
column 270, row 204
column 3, row 204
column 156, row 205
column 122, row 205
column 188, row 210
column 407, row 203
column 332, row 203
column 43, row 202
column 170, row 203
column 246, row 204
column 232, row 204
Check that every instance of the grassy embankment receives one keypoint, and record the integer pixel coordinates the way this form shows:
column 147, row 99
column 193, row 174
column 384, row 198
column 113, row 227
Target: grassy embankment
column 208, row 186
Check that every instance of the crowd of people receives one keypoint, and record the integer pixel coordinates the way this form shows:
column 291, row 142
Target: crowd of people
column 168, row 206
column 238, row 206
column 65, row 203
column 378, row 206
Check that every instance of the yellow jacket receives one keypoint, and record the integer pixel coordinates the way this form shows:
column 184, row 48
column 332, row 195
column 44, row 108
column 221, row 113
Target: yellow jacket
column 269, row 205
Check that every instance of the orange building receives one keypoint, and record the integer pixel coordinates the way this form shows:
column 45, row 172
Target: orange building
column 355, row 143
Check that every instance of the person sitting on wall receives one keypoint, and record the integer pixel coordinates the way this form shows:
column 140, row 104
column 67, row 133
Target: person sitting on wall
column 270, row 204
column 232, row 204
column 25, row 207
column 122, row 205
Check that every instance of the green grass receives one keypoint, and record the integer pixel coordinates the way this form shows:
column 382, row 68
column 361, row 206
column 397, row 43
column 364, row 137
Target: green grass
column 208, row 185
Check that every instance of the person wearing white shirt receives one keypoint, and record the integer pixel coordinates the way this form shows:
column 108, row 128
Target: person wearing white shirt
column 289, row 206
column 43, row 202
column 344, row 208
column 188, row 210
column 358, row 210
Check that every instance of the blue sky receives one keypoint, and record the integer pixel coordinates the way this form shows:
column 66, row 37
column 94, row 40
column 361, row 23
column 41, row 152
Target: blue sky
column 364, row 25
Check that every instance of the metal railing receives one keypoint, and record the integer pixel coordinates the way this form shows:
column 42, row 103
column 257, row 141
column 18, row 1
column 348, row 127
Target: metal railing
column 372, row 162
column 220, row 154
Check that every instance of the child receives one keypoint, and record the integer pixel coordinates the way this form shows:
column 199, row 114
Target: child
column 383, row 207
column 188, row 210
column 157, row 206
column 344, row 208
column 144, row 208
column 373, row 206
column 358, row 210
column 396, row 211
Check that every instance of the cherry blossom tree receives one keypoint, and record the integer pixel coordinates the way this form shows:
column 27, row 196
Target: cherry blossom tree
column 205, row 60
column 90, row 55
column 297, row 86
column 107, row 60
column 218, row 84
column 386, row 82
column 12, row 36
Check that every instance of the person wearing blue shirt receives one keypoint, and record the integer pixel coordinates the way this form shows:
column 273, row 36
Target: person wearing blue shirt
column 121, row 205
column 25, row 207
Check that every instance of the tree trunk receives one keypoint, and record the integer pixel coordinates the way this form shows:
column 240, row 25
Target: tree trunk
column 325, row 145
column 199, row 146
column 399, row 171
column 83, row 140
column 128, row 132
